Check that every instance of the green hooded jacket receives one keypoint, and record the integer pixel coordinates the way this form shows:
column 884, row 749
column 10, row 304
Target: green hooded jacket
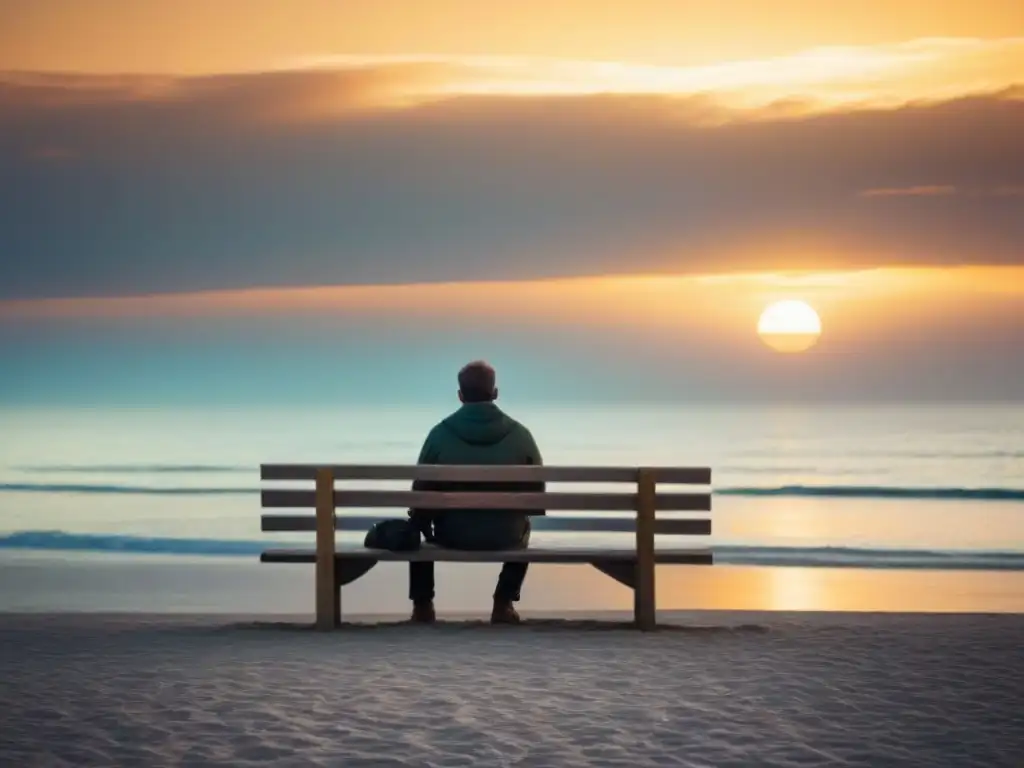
column 478, row 433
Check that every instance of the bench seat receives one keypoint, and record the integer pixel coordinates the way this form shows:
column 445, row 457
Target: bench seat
column 534, row 554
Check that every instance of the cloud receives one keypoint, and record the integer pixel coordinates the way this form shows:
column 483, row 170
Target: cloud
column 927, row 191
column 946, row 190
column 825, row 76
column 820, row 78
column 325, row 177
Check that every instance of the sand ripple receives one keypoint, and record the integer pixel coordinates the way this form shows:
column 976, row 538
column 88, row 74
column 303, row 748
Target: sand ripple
column 854, row 690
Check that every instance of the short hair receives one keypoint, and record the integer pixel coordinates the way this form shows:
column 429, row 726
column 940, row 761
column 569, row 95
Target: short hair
column 477, row 382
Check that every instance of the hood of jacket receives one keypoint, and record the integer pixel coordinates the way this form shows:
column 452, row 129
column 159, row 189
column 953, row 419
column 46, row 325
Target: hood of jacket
column 480, row 424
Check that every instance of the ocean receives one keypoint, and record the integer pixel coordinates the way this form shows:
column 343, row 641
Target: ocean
column 872, row 486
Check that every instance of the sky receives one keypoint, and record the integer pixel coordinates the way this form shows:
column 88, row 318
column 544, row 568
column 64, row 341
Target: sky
column 204, row 194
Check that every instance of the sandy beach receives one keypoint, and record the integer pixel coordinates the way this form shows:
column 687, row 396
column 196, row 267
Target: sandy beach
column 711, row 689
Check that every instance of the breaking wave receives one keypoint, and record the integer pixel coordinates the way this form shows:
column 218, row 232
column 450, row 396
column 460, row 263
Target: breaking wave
column 835, row 557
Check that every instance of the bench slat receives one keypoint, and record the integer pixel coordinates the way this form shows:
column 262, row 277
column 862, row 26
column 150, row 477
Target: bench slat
column 360, row 523
column 674, row 475
column 527, row 502
column 531, row 555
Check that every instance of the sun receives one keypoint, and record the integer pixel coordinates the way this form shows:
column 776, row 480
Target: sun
column 789, row 326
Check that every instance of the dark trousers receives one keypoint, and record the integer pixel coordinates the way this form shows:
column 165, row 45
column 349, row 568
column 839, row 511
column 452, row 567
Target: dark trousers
column 421, row 582
column 510, row 580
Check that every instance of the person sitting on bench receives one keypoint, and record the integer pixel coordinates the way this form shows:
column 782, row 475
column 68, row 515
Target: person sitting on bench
column 477, row 433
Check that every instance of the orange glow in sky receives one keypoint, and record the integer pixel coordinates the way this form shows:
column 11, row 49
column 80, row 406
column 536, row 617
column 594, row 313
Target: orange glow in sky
column 199, row 36
column 865, row 303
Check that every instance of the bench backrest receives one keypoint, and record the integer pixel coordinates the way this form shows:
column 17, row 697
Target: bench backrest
column 648, row 503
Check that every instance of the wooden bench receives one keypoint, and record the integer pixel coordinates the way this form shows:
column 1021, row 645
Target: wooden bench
column 631, row 565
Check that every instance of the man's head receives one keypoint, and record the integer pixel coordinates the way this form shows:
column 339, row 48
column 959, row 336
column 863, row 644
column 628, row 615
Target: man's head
column 477, row 383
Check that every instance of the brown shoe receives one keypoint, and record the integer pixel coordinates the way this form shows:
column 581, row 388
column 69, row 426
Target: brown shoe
column 504, row 613
column 423, row 613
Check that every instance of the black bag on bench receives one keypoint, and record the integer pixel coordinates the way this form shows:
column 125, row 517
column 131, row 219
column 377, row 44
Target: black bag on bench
column 393, row 535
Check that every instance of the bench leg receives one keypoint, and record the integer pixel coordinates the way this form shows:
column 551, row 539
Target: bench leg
column 328, row 596
column 643, row 595
column 628, row 574
column 345, row 572
column 328, row 601
column 643, row 610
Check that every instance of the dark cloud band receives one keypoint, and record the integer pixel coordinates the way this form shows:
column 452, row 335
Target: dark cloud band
column 122, row 186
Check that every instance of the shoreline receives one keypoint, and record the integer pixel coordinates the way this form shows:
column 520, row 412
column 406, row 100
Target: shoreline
column 130, row 583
